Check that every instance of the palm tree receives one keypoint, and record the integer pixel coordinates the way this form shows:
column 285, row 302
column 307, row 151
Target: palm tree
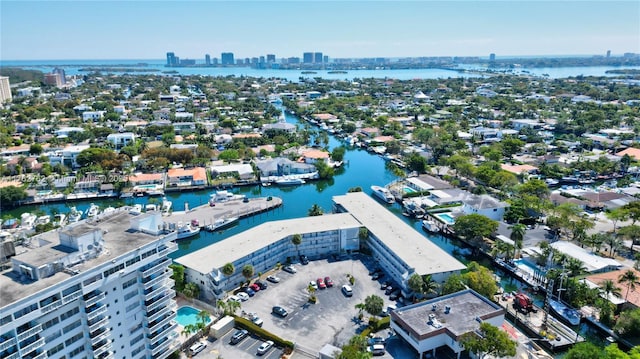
column 296, row 240
column 228, row 270
column 189, row 329
column 609, row 287
column 363, row 233
column 631, row 233
column 429, row 285
column 203, row 318
column 315, row 210
column 247, row 271
column 518, row 232
column 614, row 244
column 575, row 266
column 191, row 290
column 631, row 279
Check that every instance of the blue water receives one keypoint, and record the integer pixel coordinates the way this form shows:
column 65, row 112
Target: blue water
column 446, row 217
column 72, row 67
column 188, row 315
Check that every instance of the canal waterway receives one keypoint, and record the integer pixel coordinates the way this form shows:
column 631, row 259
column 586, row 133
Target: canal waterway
column 361, row 169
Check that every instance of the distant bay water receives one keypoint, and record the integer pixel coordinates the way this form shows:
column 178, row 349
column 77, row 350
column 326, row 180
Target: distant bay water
column 142, row 67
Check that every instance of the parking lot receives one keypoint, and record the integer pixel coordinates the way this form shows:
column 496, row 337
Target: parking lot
column 333, row 319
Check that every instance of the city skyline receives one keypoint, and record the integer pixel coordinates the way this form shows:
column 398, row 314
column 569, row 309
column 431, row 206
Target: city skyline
column 355, row 29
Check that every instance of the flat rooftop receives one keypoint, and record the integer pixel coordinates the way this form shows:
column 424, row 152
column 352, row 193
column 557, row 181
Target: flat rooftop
column 466, row 307
column 407, row 243
column 242, row 244
column 118, row 241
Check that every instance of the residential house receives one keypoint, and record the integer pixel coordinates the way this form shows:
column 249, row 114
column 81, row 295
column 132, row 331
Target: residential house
column 484, row 205
column 92, row 115
column 243, row 171
column 278, row 167
column 313, row 156
column 119, row 140
column 180, row 177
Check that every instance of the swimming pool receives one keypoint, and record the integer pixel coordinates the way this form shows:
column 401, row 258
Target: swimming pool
column 409, row 190
column 445, row 217
column 528, row 267
column 188, row 315
column 147, row 186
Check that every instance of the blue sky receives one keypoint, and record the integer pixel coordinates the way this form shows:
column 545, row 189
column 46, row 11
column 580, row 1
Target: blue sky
column 39, row 30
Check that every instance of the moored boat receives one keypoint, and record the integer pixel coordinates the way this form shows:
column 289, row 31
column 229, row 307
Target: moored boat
column 290, row 181
column 430, row 225
column 187, row 230
column 383, row 194
column 221, row 223
column 74, row 215
column 565, row 313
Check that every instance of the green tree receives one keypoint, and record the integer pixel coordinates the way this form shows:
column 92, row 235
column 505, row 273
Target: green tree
column 630, row 279
column 355, row 349
column 422, row 285
column 10, row 196
column 203, row 317
column 178, row 276
column 191, row 290
column 474, row 227
column 518, row 232
column 631, row 233
column 454, row 283
column 616, row 215
column 373, row 305
column 229, row 155
column 247, row 271
column 36, row 149
column 489, row 340
column 480, row 279
column 363, row 233
column 296, row 240
column 628, row 324
column 338, row 153
column 608, row 287
column 584, row 350
column 315, row 210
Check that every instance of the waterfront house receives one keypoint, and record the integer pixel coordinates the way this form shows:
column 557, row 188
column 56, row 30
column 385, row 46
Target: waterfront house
column 312, row 156
column 442, row 321
column 67, row 156
column 633, row 296
column 280, row 166
column 484, row 205
column 279, row 126
column 146, row 178
column 181, row 177
column 242, row 171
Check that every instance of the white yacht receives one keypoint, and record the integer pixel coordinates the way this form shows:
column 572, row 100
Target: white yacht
column 221, row 223
column 43, row 219
column 136, row 209
column 74, row 215
column 383, row 194
column 290, row 181
column 187, row 230
column 60, row 219
column 166, row 205
column 108, row 210
column 92, row 211
column 28, row 220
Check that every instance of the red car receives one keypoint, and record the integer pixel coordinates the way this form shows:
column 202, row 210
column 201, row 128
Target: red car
column 255, row 287
column 321, row 284
column 328, row 282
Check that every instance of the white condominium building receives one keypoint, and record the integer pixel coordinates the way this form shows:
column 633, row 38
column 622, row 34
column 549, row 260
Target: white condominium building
column 5, row 90
column 99, row 288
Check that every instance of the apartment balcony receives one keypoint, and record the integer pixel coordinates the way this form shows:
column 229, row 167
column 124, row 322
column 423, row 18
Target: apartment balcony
column 155, row 326
column 33, row 346
column 98, row 324
column 94, row 299
column 156, row 280
column 154, row 292
column 29, row 332
column 71, row 297
column 8, row 343
column 152, row 316
column 100, row 335
column 49, row 307
column 160, row 346
column 156, row 268
column 103, row 348
column 162, row 300
column 155, row 337
column 15, row 355
column 107, row 355
column 170, row 247
column 42, row 355
column 96, row 312
column 167, row 350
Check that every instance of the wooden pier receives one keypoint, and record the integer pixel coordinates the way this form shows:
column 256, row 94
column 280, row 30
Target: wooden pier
column 207, row 214
column 533, row 324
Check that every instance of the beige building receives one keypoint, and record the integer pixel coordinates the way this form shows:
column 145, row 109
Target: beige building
column 5, row 90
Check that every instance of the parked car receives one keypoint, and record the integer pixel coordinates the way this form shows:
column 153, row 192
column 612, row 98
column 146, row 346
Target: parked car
column 290, row 269
column 245, row 200
column 376, row 349
column 256, row 319
column 238, row 336
column 384, row 285
column 197, row 348
column 254, row 287
column 234, row 298
column 313, row 284
column 377, row 275
column 261, row 284
column 347, row 291
column 389, row 290
column 278, row 310
column 249, row 291
column 395, row 295
column 375, row 340
column 243, row 296
column 328, row 282
column 273, row 279
column 374, row 271
column 304, row 259
column 264, row 347
column 321, row 284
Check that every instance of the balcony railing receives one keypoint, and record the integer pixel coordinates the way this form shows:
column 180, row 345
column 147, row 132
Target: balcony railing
column 93, row 300
column 71, row 297
column 107, row 355
column 30, row 332
column 42, row 355
column 33, row 346
column 155, row 337
column 171, row 247
column 95, row 339
column 160, row 347
column 103, row 348
column 8, row 343
column 155, row 326
column 98, row 324
column 49, row 307
column 171, row 307
column 154, row 292
column 156, row 302
column 96, row 312
column 155, row 280
column 13, row 356
column 173, row 346
column 164, row 263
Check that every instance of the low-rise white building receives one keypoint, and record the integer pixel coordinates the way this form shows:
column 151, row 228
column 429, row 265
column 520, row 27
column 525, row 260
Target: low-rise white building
column 120, row 140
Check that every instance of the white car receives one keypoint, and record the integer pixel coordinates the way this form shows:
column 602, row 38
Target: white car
column 290, row 268
column 197, row 348
column 313, row 284
column 243, row 296
column 264, row 347
column 234, row 298
column 273, row 279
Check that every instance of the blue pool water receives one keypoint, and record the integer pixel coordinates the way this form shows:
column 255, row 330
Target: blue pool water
column 409, row 190
column 147, row 186
column 526, row 266
column 446, row 218
column 188, row 315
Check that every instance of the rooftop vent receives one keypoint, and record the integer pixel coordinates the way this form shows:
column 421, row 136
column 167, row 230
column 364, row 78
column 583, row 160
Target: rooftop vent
column 434, row 307
column 447, row 309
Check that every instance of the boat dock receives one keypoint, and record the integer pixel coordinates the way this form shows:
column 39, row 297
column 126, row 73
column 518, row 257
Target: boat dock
column 554, row 337
column 207, row 214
